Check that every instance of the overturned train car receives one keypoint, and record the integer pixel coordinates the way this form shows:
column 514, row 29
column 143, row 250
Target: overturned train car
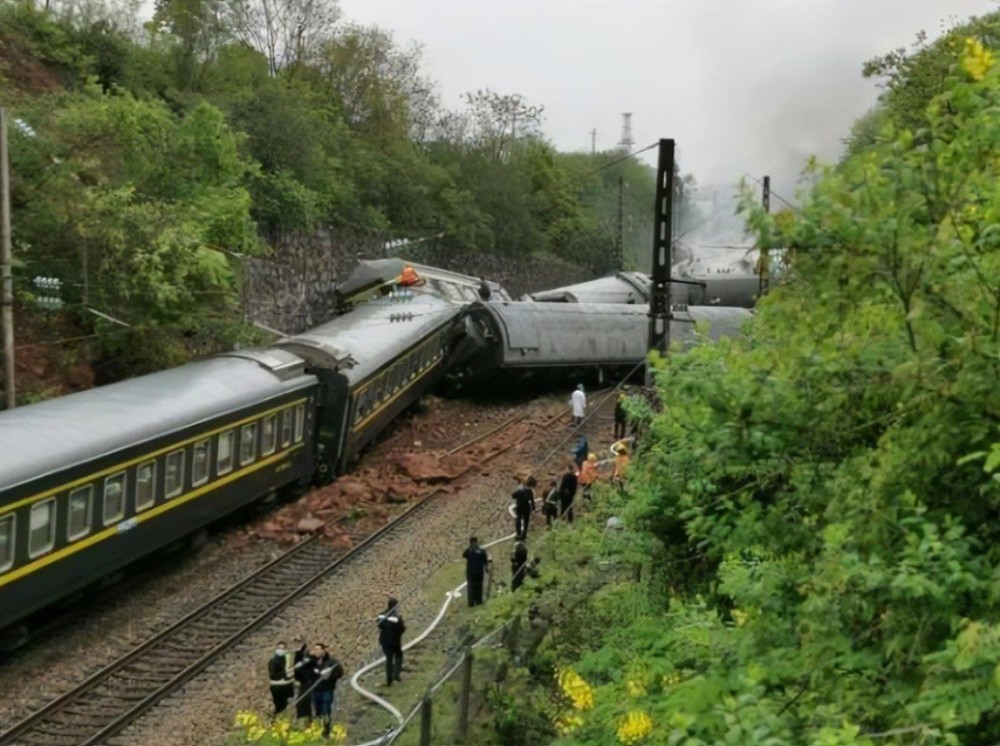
column 633, row 288
column 535, row 342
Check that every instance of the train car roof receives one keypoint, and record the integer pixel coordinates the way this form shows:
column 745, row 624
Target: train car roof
column 370, row 275
column 374, row 332
column 623, row 287
column 53, row 435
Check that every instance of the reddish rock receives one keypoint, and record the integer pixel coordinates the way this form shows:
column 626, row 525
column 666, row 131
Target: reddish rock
column 309, row 525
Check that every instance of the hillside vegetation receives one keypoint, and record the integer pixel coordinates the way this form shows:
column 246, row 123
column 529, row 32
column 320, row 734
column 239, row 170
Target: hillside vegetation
column 151, row 160
column 813, row 516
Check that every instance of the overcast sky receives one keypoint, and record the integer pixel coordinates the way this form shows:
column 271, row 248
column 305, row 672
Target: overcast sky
column 744, row 87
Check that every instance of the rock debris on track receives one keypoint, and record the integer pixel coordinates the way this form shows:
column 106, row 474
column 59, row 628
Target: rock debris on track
column 341, row 610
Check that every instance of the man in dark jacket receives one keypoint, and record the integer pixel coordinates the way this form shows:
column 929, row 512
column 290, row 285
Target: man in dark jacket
column 327, row 670
column 621, row 419
column 390, row 637
column 567, row 492
column 581, row 451
column 279, row 671
column 476, row 564
column 524, row 506
column 304, row 667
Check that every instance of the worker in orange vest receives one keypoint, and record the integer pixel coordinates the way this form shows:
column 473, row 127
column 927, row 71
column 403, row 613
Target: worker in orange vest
column 409, row 276
column 622, row 460
column 589, row 473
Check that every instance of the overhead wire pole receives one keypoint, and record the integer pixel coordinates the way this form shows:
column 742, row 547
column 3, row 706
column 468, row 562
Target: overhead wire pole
column 6, row 276
column 619, row 258
column 659, row 301
column 765, row 269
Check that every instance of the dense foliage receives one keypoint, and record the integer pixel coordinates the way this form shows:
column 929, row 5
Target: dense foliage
column 814, row 506
column 150, row 161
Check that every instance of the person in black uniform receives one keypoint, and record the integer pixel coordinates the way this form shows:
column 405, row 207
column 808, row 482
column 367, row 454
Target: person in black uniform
column 524, row 506
column 520, row 567
column 280, row 673
column 303, row 666
column 581, row 451
column 621, row 419
column 327, row 671
column 484, row 289
column 476, row 564
column 567, row 492
column 390, row 637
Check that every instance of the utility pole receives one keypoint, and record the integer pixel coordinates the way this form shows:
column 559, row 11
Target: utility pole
column 660, row 311
column 6, row 276
column 593, row 141
column 619, row 257
column 765, row 259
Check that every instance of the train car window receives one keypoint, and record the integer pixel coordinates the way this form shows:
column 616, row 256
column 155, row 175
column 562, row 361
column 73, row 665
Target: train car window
column 6, row 542
column 248, row 443
column 300, row 422
column 268, row 436
column 114, row 498
column 173, row 475
column 199, row 463
column 286, row 428
column 41, row 527
column 81, row 504
column 145, row 486
column 224, row 453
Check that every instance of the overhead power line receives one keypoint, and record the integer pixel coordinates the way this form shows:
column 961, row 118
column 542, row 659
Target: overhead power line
column 625, row 157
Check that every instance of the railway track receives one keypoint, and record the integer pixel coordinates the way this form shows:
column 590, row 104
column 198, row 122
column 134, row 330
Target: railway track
column 118, row 694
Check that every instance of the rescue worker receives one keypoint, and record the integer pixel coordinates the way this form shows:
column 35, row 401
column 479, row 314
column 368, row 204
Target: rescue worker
column 327, row 670
column 621, row 419
column 578, row 404
column 550, row 506
column 390, row 638
column 279, row 670
column 477, row 562
column 567, row 492
column 409, row 276
column 518, row 564
column 524, row 506
column 303, row 666
column 581, row 451
column 622, row 460
column 589, row 473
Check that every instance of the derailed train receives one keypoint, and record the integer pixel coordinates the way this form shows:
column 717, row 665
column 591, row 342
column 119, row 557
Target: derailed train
column 93, row 481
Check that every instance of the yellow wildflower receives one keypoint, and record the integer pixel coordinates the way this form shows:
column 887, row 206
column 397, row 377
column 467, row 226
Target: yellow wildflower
column 576, row 689
column 636, row 687
column 637, row 681
column 977, row 60
column 567, row 722
column 255, row 733
column 669, row 679
column 247, row 718
column 635, row 727
column 338, row 734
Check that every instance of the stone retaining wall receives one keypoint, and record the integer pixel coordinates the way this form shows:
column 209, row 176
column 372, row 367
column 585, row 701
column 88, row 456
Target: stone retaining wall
column 291, row 289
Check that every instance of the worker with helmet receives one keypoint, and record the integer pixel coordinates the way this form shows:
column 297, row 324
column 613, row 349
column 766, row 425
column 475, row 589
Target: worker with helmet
column 589, row 473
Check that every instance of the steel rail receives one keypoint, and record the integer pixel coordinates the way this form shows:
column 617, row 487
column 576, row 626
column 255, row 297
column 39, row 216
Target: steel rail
column 151, row 686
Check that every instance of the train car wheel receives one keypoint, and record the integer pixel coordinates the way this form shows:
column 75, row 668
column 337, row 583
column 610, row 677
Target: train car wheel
column 14, row 637
column 198, row 539
column 324, row 474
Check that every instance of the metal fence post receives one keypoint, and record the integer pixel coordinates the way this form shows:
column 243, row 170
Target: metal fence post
column 425, row 720
column 463, row 696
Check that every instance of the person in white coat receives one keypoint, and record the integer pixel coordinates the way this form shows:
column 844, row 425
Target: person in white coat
column 578, row 401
